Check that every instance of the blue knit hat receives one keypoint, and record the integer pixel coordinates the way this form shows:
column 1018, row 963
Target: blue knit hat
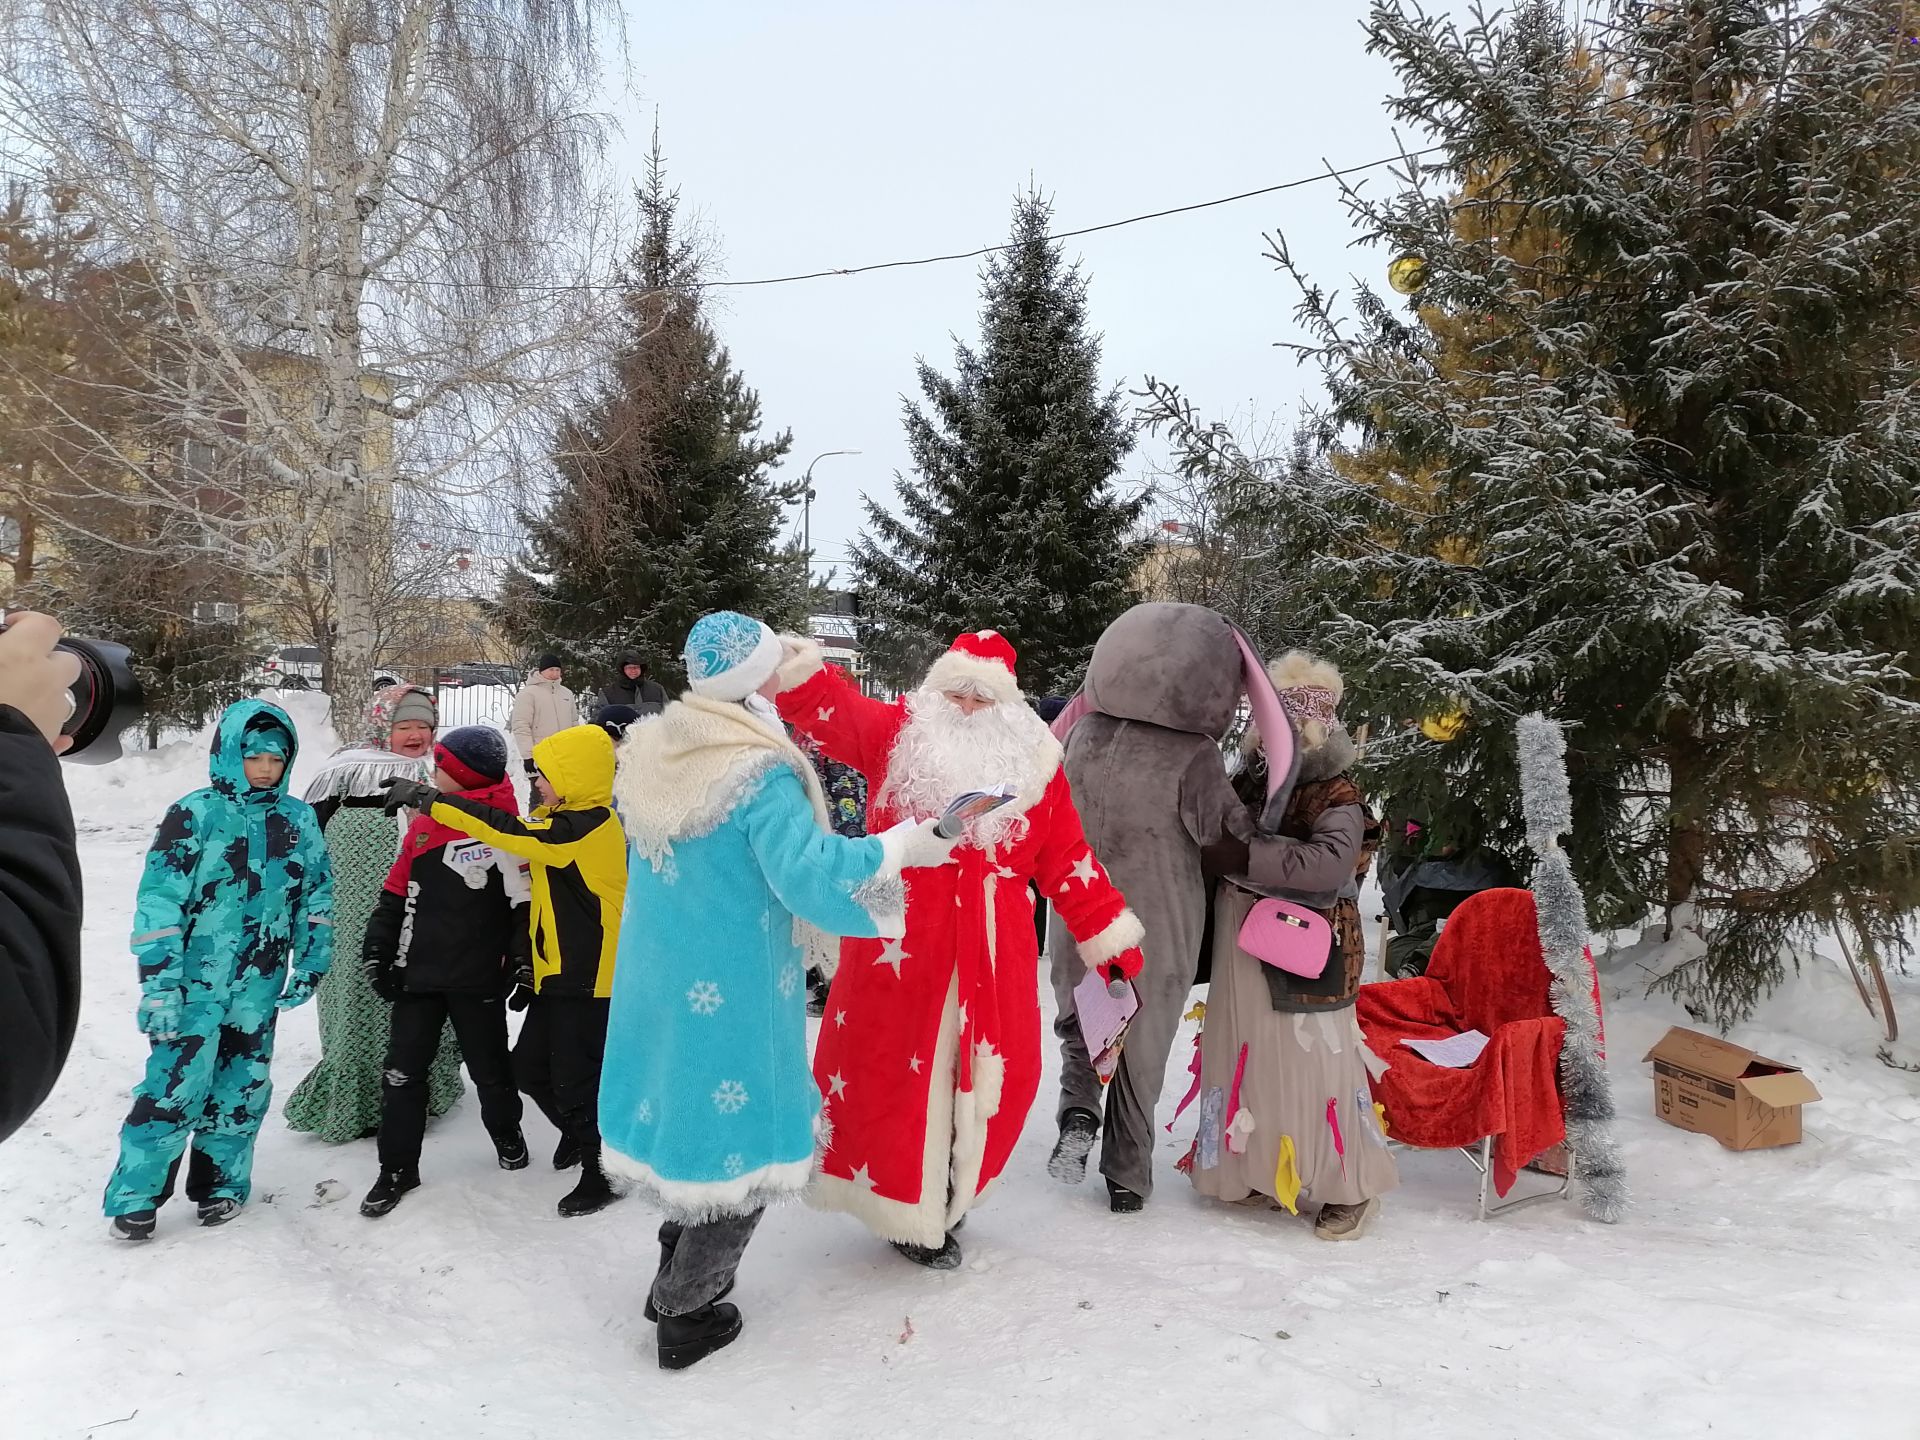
column 730, row 655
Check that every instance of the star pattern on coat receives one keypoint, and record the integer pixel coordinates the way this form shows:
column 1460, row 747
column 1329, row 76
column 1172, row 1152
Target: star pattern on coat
column 837, row 1085
column 891, row 956
column 863, row 1178
column 915, row 1063
column 1086, row 869
column 824, row 713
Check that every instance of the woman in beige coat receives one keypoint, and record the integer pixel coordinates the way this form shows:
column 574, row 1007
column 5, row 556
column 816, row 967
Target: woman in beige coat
column 543, row 707
column 1314, row 1138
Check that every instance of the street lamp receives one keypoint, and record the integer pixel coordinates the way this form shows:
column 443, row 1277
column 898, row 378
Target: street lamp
column 804, row 495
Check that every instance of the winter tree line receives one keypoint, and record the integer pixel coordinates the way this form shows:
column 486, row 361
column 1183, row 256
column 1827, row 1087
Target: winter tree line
column 1626, row 441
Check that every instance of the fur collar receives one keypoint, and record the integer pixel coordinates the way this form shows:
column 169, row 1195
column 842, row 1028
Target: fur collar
column 684, row 771
column 1332, row 756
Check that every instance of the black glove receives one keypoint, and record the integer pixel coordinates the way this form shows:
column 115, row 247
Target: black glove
column 408, row 794
column 521, row 995
column 532, row 769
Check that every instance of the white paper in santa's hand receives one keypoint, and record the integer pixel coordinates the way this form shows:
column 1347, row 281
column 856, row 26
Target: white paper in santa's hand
column 963, row 809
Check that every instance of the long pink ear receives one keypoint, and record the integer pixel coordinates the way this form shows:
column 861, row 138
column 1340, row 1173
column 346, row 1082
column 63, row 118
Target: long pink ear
column 1276, row 731
column 1069, row 717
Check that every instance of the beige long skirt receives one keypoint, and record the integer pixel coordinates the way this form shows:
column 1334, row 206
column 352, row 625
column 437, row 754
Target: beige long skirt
column 1306, row 1073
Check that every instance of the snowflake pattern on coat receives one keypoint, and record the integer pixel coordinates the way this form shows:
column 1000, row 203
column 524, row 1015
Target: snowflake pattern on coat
column 705, row 997
column 730, row 1097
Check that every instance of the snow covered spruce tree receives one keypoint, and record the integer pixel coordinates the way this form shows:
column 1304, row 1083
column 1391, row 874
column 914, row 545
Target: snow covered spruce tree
column 1010, row 519
column 1647, row 433
column 665, row 508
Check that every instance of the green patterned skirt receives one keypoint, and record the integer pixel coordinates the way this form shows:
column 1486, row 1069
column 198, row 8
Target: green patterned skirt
column 340, row 1099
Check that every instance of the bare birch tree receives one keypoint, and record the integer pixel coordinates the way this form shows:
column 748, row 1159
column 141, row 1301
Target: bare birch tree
column 372, row 220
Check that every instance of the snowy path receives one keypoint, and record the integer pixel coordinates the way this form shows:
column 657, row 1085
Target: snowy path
column 1765, row 1295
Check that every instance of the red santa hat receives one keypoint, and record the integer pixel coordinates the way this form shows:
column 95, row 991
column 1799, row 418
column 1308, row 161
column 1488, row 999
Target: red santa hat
column 981, row 662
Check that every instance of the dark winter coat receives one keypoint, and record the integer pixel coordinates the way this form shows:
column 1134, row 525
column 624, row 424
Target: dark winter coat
column 452, row 917
column 39, row 921
column 644, row 696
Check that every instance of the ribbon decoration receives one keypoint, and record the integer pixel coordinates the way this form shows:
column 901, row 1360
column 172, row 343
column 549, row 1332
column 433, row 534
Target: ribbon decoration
column 1192, row 1090
column 1237, row 1132
column 1339, row 1143
column 1286, row 1176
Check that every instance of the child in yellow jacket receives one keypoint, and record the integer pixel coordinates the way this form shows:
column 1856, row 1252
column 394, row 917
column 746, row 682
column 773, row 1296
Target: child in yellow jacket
column 577, row 854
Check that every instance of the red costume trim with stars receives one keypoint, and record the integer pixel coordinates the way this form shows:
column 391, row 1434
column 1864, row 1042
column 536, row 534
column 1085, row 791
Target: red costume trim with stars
column 929, row 1056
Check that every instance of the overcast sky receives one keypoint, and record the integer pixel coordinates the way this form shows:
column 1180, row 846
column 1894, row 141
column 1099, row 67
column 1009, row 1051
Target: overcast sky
column 841, row 133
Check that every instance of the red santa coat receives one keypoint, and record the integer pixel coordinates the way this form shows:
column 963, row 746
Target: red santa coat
column 929, row 1055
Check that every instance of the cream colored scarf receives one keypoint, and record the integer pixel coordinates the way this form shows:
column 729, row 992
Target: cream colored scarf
column 684, row 771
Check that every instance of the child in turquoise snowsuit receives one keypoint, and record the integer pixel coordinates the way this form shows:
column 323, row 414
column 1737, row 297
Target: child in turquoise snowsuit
column 234, row 925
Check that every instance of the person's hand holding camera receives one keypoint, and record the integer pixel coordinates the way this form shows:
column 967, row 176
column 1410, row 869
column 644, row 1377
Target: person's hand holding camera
column 36, row 679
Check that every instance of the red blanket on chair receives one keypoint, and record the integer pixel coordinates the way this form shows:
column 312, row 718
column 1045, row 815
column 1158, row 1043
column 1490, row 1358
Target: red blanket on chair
column 1487, row 974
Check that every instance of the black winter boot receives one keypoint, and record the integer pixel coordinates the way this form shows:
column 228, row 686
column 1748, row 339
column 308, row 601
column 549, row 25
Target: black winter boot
column 136, row 1227
column 1123, row 1201
column 947, row 1257
column 566, row 1154
column 512, row 1151
column 387, row 1190
column 688, row 1339
column 1068, row 1163
column 591, row 1194
column 218, row 1211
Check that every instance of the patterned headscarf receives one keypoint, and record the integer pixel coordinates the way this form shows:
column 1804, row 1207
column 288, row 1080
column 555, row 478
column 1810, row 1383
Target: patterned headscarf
column 1308, row 702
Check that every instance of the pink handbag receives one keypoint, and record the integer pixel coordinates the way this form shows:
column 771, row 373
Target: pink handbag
column 1288, row 937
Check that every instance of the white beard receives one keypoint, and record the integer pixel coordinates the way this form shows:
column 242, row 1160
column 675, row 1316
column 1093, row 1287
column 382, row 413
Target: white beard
column 943, row 752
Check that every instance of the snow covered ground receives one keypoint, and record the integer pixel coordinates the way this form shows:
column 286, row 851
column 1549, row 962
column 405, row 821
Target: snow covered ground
column 1767, row 1295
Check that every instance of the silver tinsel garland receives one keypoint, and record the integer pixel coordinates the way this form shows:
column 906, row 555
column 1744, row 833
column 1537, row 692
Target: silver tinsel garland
column 1562, row 910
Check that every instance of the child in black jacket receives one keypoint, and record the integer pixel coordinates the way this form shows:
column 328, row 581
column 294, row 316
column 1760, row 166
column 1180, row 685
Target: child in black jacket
column 447, row 941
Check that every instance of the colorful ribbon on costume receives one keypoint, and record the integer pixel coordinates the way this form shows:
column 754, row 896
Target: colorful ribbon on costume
column 1237, row 1132
column 1286, row 1176
column 1193, row 1090
column 1339, row 1143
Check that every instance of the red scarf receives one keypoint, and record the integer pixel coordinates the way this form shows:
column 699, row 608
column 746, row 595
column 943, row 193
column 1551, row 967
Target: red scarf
column 427, row 833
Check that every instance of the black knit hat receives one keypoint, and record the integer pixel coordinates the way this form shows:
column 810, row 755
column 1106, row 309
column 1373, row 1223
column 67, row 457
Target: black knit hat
column 478, row 755
column 549, row 661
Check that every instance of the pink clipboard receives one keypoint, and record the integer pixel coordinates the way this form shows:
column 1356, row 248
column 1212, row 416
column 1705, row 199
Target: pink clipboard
column 1103, row 1020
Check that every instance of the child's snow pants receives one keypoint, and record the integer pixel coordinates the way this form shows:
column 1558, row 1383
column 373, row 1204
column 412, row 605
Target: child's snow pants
column 210, row 1084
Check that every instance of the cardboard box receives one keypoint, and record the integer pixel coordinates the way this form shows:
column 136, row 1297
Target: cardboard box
column 1714, row 1087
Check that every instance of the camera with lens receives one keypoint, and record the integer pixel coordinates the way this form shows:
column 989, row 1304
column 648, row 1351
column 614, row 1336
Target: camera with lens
column 106, row 699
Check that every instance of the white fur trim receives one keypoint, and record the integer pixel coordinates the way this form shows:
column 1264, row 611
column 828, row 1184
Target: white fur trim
column 802, row 661
column 1124, row 934
column 695, row 1201
column 957, row 670
column 972, row 1110
column 746, row 677
column 683, row 772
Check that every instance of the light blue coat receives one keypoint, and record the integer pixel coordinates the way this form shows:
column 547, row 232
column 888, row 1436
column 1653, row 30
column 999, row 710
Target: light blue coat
column 707, row 1101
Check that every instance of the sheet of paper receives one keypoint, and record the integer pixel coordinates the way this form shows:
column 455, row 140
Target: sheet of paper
column 1103, row 1019
column 1455, row 1052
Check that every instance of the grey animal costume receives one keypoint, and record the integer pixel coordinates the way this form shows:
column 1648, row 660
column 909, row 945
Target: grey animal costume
column 1162, row 688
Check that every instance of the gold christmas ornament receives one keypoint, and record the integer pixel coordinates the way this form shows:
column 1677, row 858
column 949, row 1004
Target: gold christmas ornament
column 1408, row 274
column 1445, row 725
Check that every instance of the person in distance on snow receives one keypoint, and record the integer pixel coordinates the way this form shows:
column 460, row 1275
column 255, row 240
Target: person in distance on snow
column 447, row 941
column 543, row 707
column 930, row 1053
column 578, row 858
column 707, row 1104
column 234, row 923
column 631, row 688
